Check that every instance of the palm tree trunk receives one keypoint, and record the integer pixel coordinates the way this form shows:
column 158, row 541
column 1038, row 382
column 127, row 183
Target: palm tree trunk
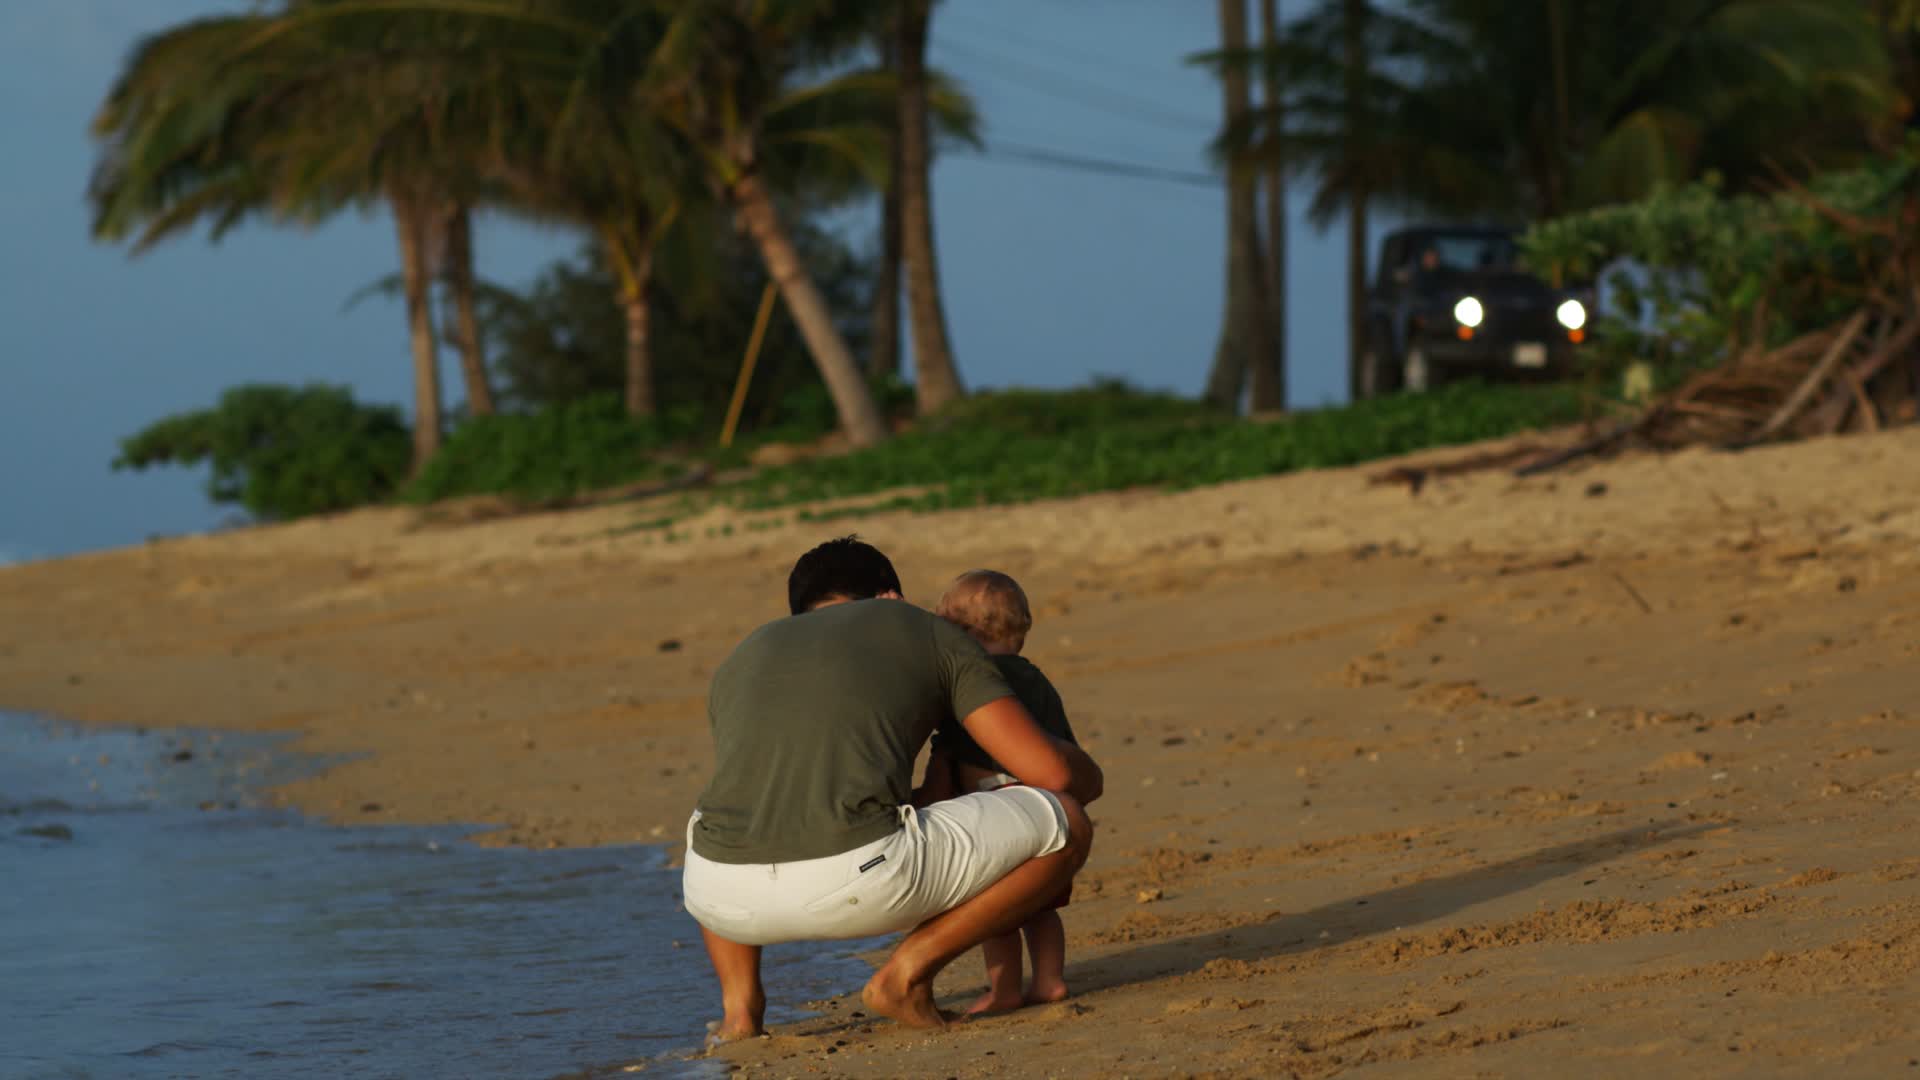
column 410, row 221
column 937, row 378
column 459, row 274
column 1246, row 337
column 1561, row 145
column 1359, row 149
column 633, row 300
column 885, row 357
column 852, row 401
column 1276, row 181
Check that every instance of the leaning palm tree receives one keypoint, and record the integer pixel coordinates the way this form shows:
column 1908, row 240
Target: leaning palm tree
column 727, row 77
column 616, row 144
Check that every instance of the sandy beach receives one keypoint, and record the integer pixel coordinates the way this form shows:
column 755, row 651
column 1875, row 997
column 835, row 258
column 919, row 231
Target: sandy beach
column 1610, row 770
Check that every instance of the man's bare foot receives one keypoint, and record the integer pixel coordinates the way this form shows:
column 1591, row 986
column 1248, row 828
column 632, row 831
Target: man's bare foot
column 1046, row 991
column 996, row 1001
column 906, row 1003
column 718, row 1031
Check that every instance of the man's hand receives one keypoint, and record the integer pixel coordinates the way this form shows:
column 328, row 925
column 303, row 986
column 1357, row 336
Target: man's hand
column 1004, row 729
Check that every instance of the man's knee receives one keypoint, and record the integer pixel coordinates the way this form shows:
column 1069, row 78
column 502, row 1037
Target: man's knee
column 1079, row 828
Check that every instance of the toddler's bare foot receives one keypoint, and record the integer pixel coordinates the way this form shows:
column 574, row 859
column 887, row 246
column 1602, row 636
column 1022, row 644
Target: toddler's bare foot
column 908, row 1003
column 1046, row 991
column 719, row 1032
column 996, row 1001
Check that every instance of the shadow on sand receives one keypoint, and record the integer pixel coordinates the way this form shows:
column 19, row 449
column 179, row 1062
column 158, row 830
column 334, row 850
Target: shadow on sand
column 1398, row 908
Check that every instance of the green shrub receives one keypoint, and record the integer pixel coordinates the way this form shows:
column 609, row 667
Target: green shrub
column 1730, row 272
column 555, row 452
column 1032, row 445
column 283, row 452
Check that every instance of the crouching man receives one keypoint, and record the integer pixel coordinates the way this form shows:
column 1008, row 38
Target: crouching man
column 806, row 831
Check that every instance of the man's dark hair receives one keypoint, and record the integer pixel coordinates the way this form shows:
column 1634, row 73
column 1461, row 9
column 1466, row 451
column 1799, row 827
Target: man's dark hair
column 848, row 567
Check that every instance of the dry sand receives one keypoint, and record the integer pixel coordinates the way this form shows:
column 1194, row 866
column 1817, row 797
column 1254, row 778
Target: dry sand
column 1604, row 772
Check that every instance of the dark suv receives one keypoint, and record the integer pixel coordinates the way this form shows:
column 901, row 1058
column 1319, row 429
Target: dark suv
column 1451, row 301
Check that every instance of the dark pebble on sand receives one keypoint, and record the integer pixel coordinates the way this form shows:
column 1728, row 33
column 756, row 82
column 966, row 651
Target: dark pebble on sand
column 1596, row 489
column 49, row 832
column 370, row 808
column 1848, row 584
column 670, row 645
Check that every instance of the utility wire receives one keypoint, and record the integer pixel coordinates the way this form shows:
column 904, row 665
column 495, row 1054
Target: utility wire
column 954, row 15
column 1115, row 102
column 1035, row 155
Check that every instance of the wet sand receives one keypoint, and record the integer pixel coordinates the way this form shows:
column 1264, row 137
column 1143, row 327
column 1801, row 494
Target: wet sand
column 1602, row 771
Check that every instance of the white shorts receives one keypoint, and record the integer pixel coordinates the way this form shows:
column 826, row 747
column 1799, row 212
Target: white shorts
column 942, row 857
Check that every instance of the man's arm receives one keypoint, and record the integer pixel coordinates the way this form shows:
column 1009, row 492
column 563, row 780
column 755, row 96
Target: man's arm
column 1004, row 729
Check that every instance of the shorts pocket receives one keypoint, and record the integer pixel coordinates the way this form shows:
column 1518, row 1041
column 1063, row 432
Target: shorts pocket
column 876, row 888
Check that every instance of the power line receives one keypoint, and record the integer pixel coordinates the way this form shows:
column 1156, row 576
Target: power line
column 1053, row 49
column 1107, row 146
column 1040, row 156
column 1085, row 93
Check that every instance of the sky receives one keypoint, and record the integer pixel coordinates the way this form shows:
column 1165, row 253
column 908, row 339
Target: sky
column 1051, row 276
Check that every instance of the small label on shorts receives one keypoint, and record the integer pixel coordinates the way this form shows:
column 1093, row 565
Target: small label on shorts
column 871, row 863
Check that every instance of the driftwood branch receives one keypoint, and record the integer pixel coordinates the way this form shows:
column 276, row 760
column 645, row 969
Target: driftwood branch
column 1586, row 446
column 1869, row 417
column 1823, row 370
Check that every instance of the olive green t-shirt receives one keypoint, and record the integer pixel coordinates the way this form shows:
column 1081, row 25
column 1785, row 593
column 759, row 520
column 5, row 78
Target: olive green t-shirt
column 817, row 719
column 1034, row 690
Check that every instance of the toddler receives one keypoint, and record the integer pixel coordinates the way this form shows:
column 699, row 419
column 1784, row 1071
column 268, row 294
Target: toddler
column 992, row 608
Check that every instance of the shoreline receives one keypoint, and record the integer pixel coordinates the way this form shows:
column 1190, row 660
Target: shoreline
column 192, row 777
column 1503, row 771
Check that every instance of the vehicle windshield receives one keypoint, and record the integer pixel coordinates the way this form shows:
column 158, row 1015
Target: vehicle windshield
column 1464, row 252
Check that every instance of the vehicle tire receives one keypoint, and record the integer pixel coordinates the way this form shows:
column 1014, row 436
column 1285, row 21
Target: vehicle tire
column 1370, row 373
column 1417, row 373
column 1378, row 371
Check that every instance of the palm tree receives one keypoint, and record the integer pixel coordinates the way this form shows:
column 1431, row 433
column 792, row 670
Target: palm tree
column 1275, row 178
column 1246, row 334
column 584, row 155
column 884, row 349
column 725, row 77
column 292, row 118
column 938, row 378
column 1355, row 15
column 457, row 270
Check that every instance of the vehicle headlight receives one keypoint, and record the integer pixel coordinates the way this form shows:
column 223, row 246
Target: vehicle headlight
column 1469, row 312
column 1572, row 314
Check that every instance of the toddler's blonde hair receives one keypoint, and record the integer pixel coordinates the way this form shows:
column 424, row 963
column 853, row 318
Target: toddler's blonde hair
column 989, row 605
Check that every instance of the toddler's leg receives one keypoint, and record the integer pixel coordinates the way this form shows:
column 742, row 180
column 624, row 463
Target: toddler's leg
column 1047, row 941
column 1003, row 975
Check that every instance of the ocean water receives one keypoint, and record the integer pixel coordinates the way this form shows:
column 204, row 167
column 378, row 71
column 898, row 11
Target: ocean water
column 156, row 920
